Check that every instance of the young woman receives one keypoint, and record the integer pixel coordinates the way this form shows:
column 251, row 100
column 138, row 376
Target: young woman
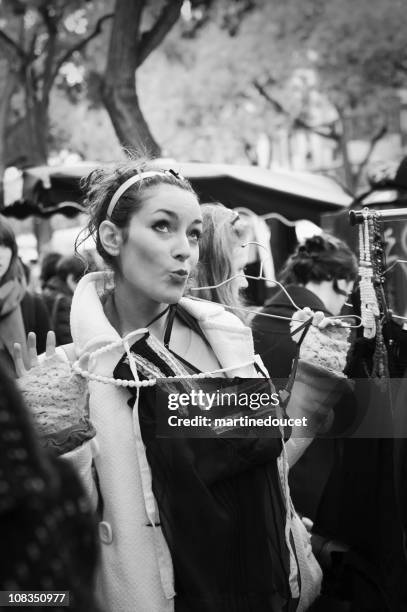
column 191, row 524
column 20, row 311
column 222, row 255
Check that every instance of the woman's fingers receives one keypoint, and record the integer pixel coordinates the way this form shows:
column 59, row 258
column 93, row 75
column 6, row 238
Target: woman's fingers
column 326, row 322
column 308, row 523
column 297, row 322
column 32, row 348
column 51, row 344
column 300, row 316
column 18, row 360
column 318, row 319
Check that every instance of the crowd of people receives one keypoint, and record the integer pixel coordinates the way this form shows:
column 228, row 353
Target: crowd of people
column 207, row 521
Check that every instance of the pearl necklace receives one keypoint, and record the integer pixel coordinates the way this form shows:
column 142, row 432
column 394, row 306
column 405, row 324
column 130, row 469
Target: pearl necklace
column 124, row 343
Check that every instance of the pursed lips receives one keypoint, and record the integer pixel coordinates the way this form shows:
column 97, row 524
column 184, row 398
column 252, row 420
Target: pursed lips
column 181, row 273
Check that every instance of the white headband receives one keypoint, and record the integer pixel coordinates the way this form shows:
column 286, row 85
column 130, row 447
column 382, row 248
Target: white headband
column 132, row 181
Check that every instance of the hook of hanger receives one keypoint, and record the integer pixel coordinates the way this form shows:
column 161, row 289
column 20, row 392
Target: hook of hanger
column 271, row 215
column 245, row 244
column 245, row 211
column 228, row 280
column 280, row 218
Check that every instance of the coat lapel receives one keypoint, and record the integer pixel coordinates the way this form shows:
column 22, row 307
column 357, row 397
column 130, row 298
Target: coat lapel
column 230, row 339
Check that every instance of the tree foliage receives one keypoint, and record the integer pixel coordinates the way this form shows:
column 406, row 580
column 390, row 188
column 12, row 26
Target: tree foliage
column 37, row 39
column 202, row 79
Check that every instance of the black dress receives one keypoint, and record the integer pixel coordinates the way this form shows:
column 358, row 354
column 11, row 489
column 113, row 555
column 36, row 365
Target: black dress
column 221, row 508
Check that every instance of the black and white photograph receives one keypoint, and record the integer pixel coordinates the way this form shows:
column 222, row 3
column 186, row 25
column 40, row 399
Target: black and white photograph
column 203, row 305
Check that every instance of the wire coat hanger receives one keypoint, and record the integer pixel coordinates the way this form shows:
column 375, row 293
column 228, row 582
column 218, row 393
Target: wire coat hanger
column 263, row 314
column 272, row 215
column 394, row 264
column 280, row 218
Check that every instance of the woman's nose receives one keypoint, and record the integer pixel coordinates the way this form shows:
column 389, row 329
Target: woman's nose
column 182, row 248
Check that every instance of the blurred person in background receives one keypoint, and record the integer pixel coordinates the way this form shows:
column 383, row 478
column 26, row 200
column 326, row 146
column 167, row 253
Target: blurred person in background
column 48, row 267
column 319, row 274
column 58, row 294
column 222, row 254
column 20, row 310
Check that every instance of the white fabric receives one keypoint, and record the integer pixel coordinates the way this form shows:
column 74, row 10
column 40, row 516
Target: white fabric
column 129, row 573
column 82, row 458
column 135, row 571
column 126, row 185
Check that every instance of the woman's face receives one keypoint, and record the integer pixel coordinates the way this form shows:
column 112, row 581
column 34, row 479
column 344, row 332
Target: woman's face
column 161, row 248
column 5, row 259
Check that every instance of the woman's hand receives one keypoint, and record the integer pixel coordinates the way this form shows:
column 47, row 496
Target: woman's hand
column 50, row 352
column 318, row 318
column 56, row 398
column 326, row 340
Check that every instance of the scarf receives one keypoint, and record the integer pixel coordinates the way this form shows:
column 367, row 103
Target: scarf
column 12, row 328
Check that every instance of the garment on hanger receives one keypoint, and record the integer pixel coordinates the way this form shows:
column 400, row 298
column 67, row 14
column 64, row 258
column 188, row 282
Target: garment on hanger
column 237, row 558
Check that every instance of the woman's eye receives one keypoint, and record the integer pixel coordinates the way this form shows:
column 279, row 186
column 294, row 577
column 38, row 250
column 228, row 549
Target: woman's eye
column 162, row 226
column 196, row 235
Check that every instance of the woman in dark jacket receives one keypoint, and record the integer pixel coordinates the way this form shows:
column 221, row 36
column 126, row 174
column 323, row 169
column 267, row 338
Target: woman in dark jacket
column 319, row 274
column 20, row 311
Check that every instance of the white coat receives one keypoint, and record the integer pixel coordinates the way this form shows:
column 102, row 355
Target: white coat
column 135, row 573
column 129, row 577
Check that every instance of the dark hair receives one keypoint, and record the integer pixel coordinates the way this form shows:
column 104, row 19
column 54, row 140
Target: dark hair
column 7, row 236
column 49, row 266
column 71, row 264
column 102, row 183
column 320, row 258
column 8, row 239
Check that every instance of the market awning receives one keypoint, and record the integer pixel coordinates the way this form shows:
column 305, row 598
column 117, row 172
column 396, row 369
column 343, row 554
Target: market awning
column 296, row 195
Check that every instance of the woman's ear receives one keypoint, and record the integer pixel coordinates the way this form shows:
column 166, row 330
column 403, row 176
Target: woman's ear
column 110, row 237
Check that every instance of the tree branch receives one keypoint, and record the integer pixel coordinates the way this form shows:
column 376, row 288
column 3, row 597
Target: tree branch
column 296, row 121
column 8, row 45
column 82, row 43
column 153, row 37
column 51, row 23
column 382, row 131
column 400, row 66
column 33, row 42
